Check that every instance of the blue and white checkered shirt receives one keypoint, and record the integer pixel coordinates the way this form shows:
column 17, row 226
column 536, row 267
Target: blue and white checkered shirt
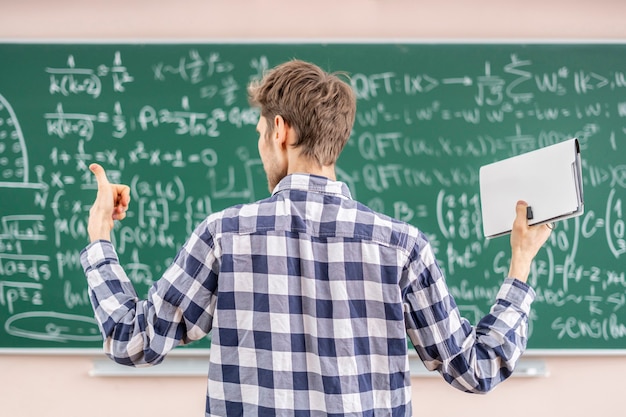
column 310, row 296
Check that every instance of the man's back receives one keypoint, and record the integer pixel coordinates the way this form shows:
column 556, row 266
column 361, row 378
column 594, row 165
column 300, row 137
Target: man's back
column 309, row 312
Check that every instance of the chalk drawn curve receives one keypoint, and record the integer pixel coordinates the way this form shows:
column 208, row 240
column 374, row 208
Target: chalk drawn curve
column 59, row 327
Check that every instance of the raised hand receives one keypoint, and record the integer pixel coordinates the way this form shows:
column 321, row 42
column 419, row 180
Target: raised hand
column 111, row 203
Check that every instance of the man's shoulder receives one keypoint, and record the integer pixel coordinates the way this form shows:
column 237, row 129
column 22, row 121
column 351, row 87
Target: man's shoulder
column 238, row 217
column 385, row 228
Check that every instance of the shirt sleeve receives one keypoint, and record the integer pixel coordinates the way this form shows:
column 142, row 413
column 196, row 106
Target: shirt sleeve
column 470, row 358
column 177, row 310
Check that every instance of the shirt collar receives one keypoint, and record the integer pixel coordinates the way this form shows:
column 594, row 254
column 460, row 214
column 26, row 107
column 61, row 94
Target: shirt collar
column 313, row 183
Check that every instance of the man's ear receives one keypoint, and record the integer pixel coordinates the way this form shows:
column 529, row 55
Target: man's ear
column 280, row 130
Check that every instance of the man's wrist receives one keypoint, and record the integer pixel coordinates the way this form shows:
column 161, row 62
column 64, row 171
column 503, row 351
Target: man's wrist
column 519, row 272
column 99, row 235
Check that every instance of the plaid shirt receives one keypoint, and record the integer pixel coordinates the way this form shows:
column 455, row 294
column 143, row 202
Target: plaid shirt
column 309, row 296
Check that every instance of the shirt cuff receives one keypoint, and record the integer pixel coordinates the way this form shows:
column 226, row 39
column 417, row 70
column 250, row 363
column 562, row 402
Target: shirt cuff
column 517, row 293
column 97, row 253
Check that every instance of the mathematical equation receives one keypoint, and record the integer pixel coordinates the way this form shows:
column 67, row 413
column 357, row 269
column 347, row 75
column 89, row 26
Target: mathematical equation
column 515, row 82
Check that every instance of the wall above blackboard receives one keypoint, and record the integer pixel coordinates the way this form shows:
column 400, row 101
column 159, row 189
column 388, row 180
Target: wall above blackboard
column 173, row 122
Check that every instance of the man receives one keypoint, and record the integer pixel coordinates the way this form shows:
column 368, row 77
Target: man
column 309, row 294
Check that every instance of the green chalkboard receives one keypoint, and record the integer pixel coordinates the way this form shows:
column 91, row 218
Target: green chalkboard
column 173, row 122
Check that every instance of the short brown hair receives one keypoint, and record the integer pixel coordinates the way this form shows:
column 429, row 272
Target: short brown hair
column 319, row 106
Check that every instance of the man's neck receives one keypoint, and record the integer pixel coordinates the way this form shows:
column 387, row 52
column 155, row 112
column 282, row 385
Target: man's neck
column 301, row 165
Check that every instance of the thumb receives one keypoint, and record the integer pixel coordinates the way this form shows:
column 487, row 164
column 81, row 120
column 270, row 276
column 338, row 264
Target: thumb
column 521, row 208
column 521, row 219
column 101, row 176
